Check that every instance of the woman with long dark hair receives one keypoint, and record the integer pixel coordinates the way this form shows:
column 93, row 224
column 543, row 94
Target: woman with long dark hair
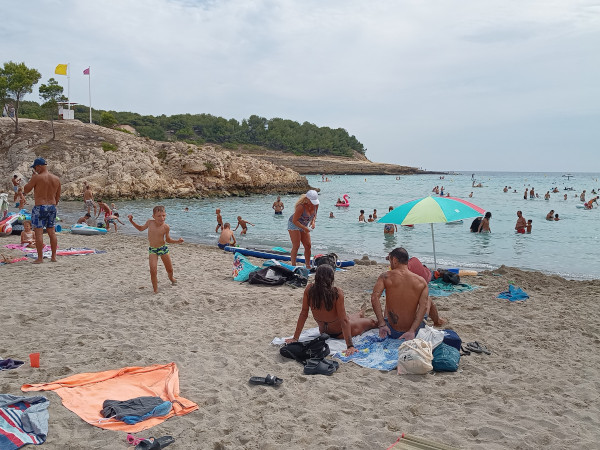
column 326, row 302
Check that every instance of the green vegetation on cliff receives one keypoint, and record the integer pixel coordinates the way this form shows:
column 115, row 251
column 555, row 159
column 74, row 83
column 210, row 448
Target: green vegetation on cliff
column 277, row 134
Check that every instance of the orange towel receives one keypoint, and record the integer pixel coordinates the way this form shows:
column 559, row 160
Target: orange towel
column 84, row 393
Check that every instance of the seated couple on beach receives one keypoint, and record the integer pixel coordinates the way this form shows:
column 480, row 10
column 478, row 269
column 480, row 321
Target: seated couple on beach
column 407, row 302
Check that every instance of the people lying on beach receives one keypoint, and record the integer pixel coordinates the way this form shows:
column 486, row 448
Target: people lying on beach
column 550, row 215
column 370, row 219
column 547, row 195
column 484, row 226
column 326, row 303
column 406, row 299
column 158, row 238
column 219, row 220
column 505, row 189
column 84, row 219
column 374, row 214
column 529, row 225
column 331, row 216
column 556, row 217
column 521, row 223
column 418, row 268
column 582, row 196
column 278, row 206
column 88, row 199
column 227, row 237
column 113, row 218
column 244, row 224
column 361, row 217
column 27, row 235
column 305, row 216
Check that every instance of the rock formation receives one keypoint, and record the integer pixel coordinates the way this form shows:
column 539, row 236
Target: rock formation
column 117, row 164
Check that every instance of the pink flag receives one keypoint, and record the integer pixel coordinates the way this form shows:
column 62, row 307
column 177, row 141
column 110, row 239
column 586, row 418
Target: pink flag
column 86, row 71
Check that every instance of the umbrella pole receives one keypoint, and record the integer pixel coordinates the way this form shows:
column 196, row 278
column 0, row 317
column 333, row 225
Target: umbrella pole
column 433, row 240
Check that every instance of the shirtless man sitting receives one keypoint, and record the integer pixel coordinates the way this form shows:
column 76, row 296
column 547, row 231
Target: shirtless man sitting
column 406, row 299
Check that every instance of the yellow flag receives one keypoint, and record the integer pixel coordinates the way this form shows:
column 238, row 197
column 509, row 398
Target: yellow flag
column 61, row 69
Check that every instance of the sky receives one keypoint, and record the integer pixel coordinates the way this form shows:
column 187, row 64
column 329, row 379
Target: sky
column 465, row 85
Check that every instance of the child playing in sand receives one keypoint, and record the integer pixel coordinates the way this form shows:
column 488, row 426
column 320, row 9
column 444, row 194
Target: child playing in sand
column 158, row 233
column 114, row 218
column 27, row 235
column 219, row 221
column 227, row 237
column 244, row 224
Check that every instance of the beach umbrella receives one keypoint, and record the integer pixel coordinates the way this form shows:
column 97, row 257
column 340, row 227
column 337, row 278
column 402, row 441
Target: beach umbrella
column 432, row 210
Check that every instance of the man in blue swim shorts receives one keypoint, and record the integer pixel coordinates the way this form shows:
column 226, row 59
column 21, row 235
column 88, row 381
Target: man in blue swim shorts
column 46, row 192
column 406, row 299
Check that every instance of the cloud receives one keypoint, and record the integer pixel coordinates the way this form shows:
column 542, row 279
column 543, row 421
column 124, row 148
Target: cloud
column 445, row 85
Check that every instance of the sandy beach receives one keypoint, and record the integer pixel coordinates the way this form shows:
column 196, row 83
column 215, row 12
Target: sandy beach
column 538, row 389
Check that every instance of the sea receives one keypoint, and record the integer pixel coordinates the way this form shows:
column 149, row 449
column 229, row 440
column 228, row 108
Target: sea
column 568, row 247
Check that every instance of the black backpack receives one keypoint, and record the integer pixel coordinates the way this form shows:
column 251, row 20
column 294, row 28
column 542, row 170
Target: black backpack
column 272, row 276
column 302, row 351
column 449, row 277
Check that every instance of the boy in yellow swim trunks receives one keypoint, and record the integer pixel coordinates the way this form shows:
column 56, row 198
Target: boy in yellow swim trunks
column 158, row 237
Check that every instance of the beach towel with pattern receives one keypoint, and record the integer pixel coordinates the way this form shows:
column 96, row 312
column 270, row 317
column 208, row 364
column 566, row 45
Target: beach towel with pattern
column 85, row 393
column 23, row 420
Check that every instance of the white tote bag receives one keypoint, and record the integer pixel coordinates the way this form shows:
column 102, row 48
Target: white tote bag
column 414, row 357
column 431, row 335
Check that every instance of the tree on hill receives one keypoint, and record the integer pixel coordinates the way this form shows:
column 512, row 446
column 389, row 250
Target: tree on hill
column 52, row 93
column 19, row 81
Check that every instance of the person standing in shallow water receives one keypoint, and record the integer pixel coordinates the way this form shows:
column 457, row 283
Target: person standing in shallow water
column 305, row 215
column 46, row 192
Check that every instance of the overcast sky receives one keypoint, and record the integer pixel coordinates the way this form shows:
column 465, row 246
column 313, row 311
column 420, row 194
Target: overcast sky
column 444, row 85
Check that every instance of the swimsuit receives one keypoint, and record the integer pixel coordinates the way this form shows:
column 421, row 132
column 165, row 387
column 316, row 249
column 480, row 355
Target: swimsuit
column 396, row 334
column 43, row 216
column 521, row 231
column 89, row 203
column 221, row 246
column 304, row 219
column 15, row 188
column 159, row 251
column 279, row 212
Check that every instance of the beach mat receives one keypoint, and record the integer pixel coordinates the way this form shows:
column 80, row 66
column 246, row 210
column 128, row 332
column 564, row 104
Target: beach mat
column 410, row 442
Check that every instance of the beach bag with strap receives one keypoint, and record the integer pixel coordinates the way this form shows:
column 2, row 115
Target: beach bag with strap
column 303, row 351
column 271, row 276
column 242, row 267
column 445, row 358
column 330, row 259
column 431, row 335
column 414, row 357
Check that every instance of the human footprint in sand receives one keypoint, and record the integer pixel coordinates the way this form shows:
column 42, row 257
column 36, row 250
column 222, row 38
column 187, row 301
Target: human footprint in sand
column 326, row 302
column 158, row 234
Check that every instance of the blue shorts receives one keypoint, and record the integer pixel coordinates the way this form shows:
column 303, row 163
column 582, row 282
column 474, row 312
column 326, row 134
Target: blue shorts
column 396, row 334
column 15, row 188
column 221, row 246
column 43, row 216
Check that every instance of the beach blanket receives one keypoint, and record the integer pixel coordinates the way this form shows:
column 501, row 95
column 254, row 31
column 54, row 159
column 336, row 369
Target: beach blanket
column 24, row 258
column 71, row 251
column 374, row 352
column 23, row 420
column 85, row 393
column 514, row 294
column 438, row 288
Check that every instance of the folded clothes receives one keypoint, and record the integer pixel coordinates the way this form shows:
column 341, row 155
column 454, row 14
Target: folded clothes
column 6, row 364
column 136, row 409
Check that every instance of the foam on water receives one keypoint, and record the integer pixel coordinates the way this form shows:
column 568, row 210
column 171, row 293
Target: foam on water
column 568, row 247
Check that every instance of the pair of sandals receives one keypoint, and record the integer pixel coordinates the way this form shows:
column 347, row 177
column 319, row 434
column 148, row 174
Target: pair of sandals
column 316, row 366
column 150, row 443
column 475, row 347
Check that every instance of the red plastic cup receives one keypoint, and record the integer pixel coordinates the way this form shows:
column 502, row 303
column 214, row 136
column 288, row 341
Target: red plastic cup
column 34, row 359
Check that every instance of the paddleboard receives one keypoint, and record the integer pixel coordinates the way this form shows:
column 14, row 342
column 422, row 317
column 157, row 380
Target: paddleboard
column 277, row 256
column 87, row 230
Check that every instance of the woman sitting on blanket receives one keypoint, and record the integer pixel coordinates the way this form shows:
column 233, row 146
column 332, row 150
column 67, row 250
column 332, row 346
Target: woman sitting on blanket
column 327, row 305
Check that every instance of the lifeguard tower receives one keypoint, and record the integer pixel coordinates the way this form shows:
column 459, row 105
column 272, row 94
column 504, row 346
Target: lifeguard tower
column 65, row 112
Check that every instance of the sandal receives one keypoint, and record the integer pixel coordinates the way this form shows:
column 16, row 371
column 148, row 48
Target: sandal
column 269, row 380
column 155, row 443
column 478, row 348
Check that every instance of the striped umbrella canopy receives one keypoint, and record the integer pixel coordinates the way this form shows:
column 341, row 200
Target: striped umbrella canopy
column 432, row 210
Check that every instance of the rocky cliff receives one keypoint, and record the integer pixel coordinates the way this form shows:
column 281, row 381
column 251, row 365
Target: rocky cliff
column 117, row 164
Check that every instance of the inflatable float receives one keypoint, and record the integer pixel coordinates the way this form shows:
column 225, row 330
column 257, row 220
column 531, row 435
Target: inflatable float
column 7, row 223
column 276, row 256
column 87, row 230
column 345, row 203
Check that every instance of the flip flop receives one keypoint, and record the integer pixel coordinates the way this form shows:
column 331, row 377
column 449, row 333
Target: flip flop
column 132, row 440
column 478, row 348
column 270, row 380
column 320, row 367
column 464, row 352
column 155, row 443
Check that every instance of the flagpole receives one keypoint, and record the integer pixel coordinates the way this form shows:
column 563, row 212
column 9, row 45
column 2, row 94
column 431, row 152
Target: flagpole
column 68, row 86
column 90, row 91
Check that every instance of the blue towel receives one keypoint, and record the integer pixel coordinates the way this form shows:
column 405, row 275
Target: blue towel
column 438, row 288
column 159, row 411
column 374, row 353
column 513, row 294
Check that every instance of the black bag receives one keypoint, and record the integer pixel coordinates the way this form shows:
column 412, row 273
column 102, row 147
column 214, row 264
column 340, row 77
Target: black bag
column 449, row 277
column 330, row 259
column 272, row 276
column 303, row 351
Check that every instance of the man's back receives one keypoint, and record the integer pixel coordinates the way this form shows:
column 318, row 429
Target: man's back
column 46, row 188
column 403, row 290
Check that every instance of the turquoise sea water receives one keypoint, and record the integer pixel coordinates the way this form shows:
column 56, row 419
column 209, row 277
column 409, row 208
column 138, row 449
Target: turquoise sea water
column 569, row 247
